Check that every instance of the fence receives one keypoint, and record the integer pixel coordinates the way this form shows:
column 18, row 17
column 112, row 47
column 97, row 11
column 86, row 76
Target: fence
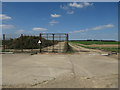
column 50, row 42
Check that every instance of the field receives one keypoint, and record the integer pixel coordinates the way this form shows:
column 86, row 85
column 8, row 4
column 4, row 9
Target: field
column 103, row 45
column 94, row 42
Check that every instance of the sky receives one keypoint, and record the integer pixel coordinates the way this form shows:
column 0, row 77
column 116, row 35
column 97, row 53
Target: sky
column 81, row 20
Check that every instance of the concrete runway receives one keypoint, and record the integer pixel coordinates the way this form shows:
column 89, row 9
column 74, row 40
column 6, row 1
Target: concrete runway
column 79, row 70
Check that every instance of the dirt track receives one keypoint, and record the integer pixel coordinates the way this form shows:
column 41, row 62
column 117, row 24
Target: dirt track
column 57, row 48
column 84, row 69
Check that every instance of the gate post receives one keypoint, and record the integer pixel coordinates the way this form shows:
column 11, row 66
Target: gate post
column 67, row 39
column 3, row 42
column 48, row 45
column 21, row 42
column 40, row 43
column 53, row 43
column 67, row 46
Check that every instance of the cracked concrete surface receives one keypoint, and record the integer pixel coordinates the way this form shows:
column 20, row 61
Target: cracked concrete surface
column 79, row 70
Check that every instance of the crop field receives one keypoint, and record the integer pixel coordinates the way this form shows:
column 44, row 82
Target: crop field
column 95, row 42
column 102, row 45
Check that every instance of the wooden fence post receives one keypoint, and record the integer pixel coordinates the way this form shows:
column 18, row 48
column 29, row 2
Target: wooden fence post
column 3, row 42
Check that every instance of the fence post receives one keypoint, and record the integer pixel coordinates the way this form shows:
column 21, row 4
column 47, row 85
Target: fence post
column 40, row 43
column 3, row 42
column 48, row 45
column 67, row 39
column 67, row 46
column 21, row 40
column 53, row 43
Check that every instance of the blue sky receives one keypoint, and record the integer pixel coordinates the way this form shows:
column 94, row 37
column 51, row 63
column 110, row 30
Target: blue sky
column 82, row 20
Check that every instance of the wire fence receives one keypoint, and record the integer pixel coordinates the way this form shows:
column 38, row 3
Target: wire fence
column 50, row 42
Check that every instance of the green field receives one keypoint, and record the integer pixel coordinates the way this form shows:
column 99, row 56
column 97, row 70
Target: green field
column 112, row 49
column 94, row 42
column 103, row 48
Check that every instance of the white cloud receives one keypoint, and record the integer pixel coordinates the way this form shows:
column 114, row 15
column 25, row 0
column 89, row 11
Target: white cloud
column 80, row 5
column 20, row 31
column 94, row 28
column 98, row 27
column 87, row 4
column 109, row 25
column 55, row 15
column 70, row 12
column 71, row 6
column 64, row 7
column 6, row 26
column 53, row 22
column 103, row 26
column 77, row 5
column 4, row 17
column 39, row 29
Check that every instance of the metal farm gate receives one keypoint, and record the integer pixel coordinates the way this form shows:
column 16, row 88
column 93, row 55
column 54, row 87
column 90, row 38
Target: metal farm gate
column 58, row 40
column 44, row 42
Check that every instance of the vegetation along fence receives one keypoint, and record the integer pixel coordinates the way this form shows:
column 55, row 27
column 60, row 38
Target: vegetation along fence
column 45, row 42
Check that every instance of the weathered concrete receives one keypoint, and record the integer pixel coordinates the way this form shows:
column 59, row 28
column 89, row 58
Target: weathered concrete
column 23, row 69
column 79, row 70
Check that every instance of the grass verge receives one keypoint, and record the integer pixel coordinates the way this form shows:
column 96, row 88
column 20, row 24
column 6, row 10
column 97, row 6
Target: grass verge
column 103, row 48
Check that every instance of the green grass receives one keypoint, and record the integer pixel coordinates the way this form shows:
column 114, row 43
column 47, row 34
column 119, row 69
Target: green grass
column 116, row 49
column 5, row 51
column 70, row 49
column 33, row 53
column 112, row 49
column 94, row 42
